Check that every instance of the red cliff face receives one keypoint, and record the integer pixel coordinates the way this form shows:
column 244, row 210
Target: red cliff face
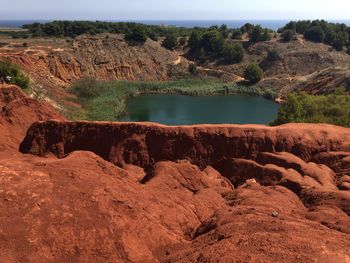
column 126, row 192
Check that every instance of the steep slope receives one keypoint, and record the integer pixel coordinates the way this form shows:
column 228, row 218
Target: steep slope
column 104, row 58
column 17, row 113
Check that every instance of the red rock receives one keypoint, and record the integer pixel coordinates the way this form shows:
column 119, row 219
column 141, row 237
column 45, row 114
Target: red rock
column 151, row 193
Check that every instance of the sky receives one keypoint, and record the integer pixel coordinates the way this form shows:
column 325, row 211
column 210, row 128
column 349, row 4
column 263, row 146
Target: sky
column 174, row 9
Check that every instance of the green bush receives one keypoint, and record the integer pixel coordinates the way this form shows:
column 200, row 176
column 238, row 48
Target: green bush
column 192, row 68
column 194, row 42
column 302, row 107
column 86, row 88
column 153, row 36
column 212, row 42
column 258, row 34
column 288, row 35
column 137, row 35
column 236, row 34
column 182, row 41
column 11, row 73
column 233, row 53
column 170, row 42
column 273, row 54
column 315, row 34
column 253, row 73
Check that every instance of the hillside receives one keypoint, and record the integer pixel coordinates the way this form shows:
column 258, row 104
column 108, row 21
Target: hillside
column 55, row 64
column 122, row 192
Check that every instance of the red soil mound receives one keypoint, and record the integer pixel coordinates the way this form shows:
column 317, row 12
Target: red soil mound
column 17, row 113
column 170, row 194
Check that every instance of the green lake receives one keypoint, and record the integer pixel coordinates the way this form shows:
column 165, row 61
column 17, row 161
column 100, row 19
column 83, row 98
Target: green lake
column 173, row 109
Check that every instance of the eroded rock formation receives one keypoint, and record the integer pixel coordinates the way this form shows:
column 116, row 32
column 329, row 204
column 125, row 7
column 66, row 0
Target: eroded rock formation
column 109, row 192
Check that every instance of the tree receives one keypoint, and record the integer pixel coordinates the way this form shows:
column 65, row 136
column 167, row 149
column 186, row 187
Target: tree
column 11, row 73
column 288, row 35
column 202, row 56
column 224, row 31
column 212, row 42
column 153, row 35
column 170, row 42
column 138, row 34
column 195, row 39
column 340, row 40
column 247, row 28
column 233, row 53
column 253, row 73
column 236, row 34
column 315, row 34
column 183, row 41
column 258, row 34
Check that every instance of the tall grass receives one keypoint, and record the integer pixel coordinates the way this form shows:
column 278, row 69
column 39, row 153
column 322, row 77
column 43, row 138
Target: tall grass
column 106, row 100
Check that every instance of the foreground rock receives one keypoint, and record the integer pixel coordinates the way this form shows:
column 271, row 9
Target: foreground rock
column 151, row 193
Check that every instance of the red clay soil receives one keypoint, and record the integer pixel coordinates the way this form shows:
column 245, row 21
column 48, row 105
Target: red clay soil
column 109, row 192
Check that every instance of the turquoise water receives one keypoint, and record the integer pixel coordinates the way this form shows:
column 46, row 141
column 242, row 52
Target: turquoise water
column 172, row 109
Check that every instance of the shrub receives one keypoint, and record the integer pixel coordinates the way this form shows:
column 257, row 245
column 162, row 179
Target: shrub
column 138, row 34
column 236, row 34
column 288, row 35
column 11, row 73
column 224, row 31
column 202, row 56
column 315, row 34
column 233, row 53
column 182, row 41
column 192, row 68
column 258, row 34
column 340, row 40
column 25, row 44
column 273, row 54
column 153, row 35
column 246, row 28
column 170, row 42
column 212, row 42
column 86, row 88
column 194, row 41
column 302, row 107
column 253, row 73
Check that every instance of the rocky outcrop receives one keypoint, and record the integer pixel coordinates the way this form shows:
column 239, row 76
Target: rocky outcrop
column 146, row 144
column 17, row 113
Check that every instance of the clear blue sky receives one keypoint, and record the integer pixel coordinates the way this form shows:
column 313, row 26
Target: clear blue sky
column 174, row 9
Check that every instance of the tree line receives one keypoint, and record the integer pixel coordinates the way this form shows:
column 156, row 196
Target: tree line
column 321, row 31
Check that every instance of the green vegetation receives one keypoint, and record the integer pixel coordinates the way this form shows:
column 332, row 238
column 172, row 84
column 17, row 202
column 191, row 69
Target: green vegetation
column 302, row 107
column 257, row 34
column 236, row 34
column 75, row 28
column 315, row 34
column 288, row 35
column 170, row 42
column 138, row 35
column 334, row 34
column 106, row 100
column 273, row 54
column 233, row 53
column 11, row 73
column 253, row 73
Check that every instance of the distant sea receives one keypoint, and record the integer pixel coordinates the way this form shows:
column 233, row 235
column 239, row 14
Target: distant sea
column 272, row 24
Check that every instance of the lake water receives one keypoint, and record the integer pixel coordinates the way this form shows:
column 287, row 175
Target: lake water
column 172, row 109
